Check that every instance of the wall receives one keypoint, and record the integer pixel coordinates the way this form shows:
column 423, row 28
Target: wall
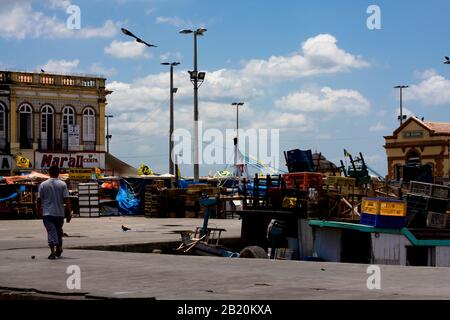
column 305, row 239
column 442, row 257
column 328, row 244
column 389, row 249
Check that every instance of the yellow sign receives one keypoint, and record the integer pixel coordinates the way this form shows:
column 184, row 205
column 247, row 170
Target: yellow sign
column 144, row 170
column 22, row 162
column 80, row 174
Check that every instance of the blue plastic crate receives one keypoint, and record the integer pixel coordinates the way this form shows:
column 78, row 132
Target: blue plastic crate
column 379, row 221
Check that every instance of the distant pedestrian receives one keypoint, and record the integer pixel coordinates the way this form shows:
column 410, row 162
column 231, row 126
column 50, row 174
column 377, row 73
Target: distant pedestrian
column 52, row 195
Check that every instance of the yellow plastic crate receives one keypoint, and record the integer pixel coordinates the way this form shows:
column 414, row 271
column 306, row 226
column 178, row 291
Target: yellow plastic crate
column 340, row 181
column 384, row 207
column 370, row 206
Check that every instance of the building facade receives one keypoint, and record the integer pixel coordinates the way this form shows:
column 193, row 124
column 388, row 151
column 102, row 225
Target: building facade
column 52, row 119
column 422, row 142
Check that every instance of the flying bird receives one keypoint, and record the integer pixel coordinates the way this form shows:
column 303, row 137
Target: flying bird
column 447, row 60
column 42, row 70
column 125, row 228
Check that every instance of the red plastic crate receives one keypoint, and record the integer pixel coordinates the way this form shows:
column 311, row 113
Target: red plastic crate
column 303, row 180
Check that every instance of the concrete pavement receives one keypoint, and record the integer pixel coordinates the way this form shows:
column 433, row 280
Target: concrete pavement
column 146, row 275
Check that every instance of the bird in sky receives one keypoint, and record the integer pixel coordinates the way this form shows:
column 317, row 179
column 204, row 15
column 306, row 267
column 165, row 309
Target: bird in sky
column 147, row 44
column 130, row 34
column 447, row 60
column 42, row 70
column 125, row 228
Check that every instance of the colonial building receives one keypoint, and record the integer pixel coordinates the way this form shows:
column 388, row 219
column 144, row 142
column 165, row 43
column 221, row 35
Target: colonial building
column 422, row 142
column 52, row 119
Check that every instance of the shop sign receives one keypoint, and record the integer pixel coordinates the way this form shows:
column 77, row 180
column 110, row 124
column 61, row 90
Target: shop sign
column 70, row 160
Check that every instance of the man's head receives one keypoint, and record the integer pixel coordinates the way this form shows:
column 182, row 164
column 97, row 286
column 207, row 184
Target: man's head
column 54, row 171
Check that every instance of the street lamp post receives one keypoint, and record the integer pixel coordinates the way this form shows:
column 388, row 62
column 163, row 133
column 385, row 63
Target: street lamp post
column 172, row 91
column 108, row 136
column 401, row 101
column 196, row 78
column 236, row 140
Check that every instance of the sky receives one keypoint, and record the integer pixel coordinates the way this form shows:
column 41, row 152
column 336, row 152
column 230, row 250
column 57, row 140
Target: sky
column 314, row 70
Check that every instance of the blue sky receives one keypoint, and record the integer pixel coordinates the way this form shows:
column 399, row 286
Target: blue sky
column 309, row 68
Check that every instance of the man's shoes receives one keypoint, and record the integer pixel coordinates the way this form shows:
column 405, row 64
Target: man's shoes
column 51, row 256
column 58, row 252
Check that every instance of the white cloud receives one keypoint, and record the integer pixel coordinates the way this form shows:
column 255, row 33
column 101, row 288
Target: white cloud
column 173, row 21
column 326, row 100
column 97, row 68
column 173, row 56
column 61, row 66
column 127, row 49
column 321, row 55
column 59, row 4
column 432, row 91
column 142, row 105
column 377, row 127
column 20, row 21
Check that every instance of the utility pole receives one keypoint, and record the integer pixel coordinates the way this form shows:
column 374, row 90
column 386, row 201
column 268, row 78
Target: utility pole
column 108, row 136
column 401, row 101
column 197, row 79
column 236, row 140
column 172, row 91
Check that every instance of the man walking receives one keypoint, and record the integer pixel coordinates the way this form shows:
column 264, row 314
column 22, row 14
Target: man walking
column 52, row 195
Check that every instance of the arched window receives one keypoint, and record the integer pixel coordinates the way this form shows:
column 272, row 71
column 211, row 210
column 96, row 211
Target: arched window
column 89, row 125
column 46, row 142
column 68, row 119
column 26, row 126
column 412, row 157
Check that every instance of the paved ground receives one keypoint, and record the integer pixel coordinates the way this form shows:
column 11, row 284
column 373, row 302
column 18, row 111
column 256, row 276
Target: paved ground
column 106, row 231
column 123, row 274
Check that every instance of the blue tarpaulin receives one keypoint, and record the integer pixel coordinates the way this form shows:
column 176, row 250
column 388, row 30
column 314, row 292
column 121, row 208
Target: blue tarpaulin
column 9, row 197
column 127, row 199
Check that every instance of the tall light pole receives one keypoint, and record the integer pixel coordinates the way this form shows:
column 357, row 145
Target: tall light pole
column 172, row 92
column 401, row 101
column 196, row 78
column 108, row 136
column 236, row 140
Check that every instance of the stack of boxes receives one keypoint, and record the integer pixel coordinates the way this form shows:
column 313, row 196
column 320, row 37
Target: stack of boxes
column 193, row 194
column 383, row 213
column 342, row 185
column 88, row 199
column 303, row 180
column 427, row 205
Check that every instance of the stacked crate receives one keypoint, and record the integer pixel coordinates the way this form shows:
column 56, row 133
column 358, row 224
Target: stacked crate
column 176, row 199
column 383, row 213
column 152, row 206
column 342, row 185
column 88, row 199
column 193, row 194
column 427, row 205
column 303, row 180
